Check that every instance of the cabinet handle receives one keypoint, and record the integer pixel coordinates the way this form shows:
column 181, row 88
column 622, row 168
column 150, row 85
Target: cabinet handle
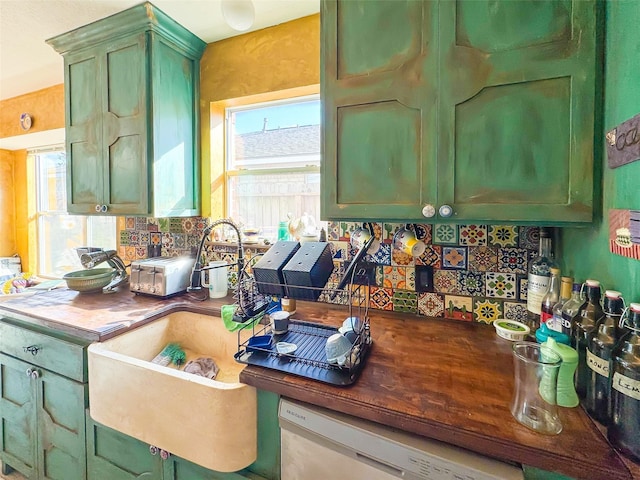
column 32, row 349
column 98, row 208
column 35, row 374
column 445, row 211
column 428, row 210
column 153, row 450
column 104, row 208
column 164, row 454
column 29, row 372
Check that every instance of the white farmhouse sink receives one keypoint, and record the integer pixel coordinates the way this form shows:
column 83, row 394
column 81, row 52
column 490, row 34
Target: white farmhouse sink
column 212, row 423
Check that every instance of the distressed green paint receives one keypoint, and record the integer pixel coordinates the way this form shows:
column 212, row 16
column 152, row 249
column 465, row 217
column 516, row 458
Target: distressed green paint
column 585, row 252
column 494, row 110
column 131, row 101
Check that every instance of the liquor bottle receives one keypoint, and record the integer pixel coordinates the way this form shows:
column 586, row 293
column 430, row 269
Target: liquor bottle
column 565, row 295
column 538, row 279
column 624, row 428
column 550, row 299
column 599, row 349
column 588, row 316
column 570, row 310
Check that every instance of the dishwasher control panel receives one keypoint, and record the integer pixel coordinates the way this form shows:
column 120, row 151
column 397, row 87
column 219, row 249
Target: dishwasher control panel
column 373, row 451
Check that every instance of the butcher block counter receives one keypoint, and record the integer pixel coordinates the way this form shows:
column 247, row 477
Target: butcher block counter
column 446, row 380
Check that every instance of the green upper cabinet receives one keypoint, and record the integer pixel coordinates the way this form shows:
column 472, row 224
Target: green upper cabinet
column 131, row 104
column 481, row 106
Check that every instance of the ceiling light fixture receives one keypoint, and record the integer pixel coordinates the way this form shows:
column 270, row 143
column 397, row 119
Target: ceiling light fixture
column 239, row 14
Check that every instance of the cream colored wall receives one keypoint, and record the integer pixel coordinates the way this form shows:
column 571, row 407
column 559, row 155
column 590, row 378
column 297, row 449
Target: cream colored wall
column 270, row 64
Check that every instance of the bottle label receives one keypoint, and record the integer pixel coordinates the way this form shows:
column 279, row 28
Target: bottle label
column 597, row 364
column 627, row 386
column 537, row 286
column 555, row 323
column 546, row 317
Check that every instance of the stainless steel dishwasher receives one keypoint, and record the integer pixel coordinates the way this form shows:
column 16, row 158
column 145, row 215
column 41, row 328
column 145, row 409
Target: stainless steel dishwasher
column 318, row 444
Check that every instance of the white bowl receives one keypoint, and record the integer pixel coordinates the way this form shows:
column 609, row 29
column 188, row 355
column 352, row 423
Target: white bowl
column 337, row 348
column 511, row 330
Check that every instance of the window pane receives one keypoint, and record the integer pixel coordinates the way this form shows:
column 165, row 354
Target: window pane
column 58, row 237
column 264, row 200
column 52, row 182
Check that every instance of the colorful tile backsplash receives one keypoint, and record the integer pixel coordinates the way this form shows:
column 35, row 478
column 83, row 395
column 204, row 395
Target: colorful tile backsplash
column 467, row 272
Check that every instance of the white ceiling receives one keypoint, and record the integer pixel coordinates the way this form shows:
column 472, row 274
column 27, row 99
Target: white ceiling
column 27, row 63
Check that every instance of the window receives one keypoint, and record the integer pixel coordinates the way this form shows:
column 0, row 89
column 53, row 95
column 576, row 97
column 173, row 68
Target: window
column 58, row 233
column 273, row 162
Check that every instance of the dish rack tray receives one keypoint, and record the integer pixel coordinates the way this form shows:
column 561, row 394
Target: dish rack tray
column 309, row 359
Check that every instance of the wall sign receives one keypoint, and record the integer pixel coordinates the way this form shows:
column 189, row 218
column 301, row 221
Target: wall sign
column 624, row 233
column 623, row 143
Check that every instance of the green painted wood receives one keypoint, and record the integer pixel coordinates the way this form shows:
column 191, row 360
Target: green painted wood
column 115, row 456
column 57, row 355
column 176, row 468
column 379, row 98
column 516, row 110
column 134, row 145
column 267, row 464
column 18, row 424
column 484, row 106
column 61, row 427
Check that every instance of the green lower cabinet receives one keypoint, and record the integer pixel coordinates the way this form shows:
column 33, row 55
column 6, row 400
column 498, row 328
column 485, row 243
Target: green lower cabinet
column 42, row 430
column 115, row 456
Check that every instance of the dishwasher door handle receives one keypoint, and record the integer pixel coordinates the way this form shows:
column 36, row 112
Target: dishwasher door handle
column 385, row 467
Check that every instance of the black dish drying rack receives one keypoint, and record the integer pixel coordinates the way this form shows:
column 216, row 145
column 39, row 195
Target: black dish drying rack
column 257, row 343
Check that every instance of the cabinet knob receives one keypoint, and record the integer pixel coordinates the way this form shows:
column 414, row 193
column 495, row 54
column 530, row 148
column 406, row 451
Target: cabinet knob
column 153, row 450
column 35, row 374
column 104, row 208
column 98, row 208
column 164, row 454
column 445, row 211
column 29, row 372
column 428, row 210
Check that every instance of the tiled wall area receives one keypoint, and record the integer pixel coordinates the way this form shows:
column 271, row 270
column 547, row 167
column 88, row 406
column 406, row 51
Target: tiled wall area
column 467, row 272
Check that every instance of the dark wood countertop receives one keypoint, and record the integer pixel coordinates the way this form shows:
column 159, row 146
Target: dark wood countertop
column 451, row 381
column 447, row 380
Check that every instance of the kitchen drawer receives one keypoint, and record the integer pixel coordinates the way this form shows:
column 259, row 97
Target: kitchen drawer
column 56, row 355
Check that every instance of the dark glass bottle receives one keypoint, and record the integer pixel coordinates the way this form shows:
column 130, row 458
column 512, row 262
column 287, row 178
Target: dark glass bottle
column 588, row 316
column 599, row 349
column 571, row 309
column 538, row 278
column 624, row 428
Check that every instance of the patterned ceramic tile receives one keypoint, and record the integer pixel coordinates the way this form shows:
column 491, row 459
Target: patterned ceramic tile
column 175, row 225
column 471, row 283
column 141, row 252
column 340, row 250
column 383, row 255
column 145, row 238
column 445, row 234
column 389, row 230
column 400, row 258
column 125, row 237
column 134, row 238
column 164, row 224
column 473, row 235
column 379, row 275
column 129, row 254
column 411, row 279
column 432, row 256
column 486, row 311
column 529, row 237
column 522, row 288
column 501, row 285
column 193, row 240
column 454, row 258
column 405, row 301
column 482, row 259
column 423, row 232
column 381, row 298
column 179, row 240
column 167, row 240
column 513, row 260
column 346, row 228
column 431, row 304
column 188, row 225
column 515, row 311
column 153, row 227
column 445, row 281
column 503, row 235
column 333, row 231
column 141, row 223
column 458, row 308
column 130, row 223
column 395, row 277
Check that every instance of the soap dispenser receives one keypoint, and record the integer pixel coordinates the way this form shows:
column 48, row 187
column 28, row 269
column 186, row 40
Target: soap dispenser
column 566, row 392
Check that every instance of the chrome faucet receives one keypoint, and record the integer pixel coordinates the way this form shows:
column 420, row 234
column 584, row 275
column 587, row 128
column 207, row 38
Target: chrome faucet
column 198, row 267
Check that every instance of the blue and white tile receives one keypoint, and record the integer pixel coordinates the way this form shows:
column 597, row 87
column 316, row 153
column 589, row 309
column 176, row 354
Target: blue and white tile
column 512, row 260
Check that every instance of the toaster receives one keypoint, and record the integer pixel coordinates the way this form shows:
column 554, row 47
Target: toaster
column 161, row 276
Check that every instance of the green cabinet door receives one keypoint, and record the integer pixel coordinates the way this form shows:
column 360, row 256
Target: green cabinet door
column 486, row 107
column 42, row 430
column 379, row 86
column 516, row 115
column 18, row 424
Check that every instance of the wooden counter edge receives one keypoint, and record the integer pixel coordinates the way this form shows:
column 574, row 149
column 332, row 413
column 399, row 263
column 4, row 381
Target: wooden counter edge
column 282, row 384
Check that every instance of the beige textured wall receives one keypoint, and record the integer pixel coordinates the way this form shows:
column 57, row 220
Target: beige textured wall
column 273, row 63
